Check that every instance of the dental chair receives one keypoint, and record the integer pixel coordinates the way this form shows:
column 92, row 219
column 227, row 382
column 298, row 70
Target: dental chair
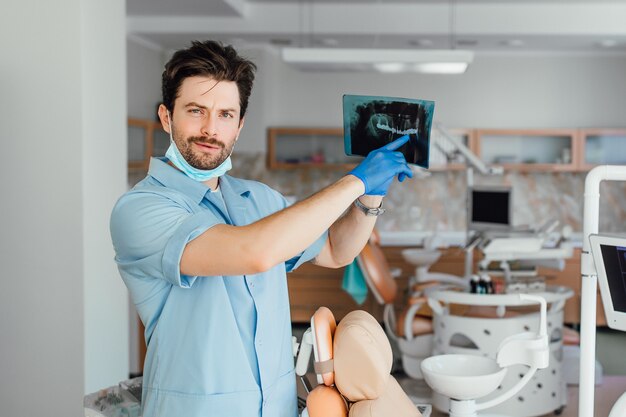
column 352, row 362
column 412, row 332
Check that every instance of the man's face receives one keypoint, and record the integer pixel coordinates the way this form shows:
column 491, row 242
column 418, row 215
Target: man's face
column 205, row 122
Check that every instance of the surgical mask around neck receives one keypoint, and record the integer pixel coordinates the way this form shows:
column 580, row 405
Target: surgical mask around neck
column 176, row 158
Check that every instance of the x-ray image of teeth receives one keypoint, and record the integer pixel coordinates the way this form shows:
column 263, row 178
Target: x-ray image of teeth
column 371, row 122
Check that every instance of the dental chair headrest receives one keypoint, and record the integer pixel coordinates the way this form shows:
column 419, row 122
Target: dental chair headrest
column 362, row 357
column 323, row 327
column 377, row 274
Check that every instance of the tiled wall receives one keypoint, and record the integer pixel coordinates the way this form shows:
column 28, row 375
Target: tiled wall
column 437, row 203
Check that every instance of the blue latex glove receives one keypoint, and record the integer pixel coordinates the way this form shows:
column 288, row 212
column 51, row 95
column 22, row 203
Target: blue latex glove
column 378, row 170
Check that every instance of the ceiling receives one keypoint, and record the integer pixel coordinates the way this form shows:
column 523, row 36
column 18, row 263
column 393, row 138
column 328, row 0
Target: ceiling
column 487, row 26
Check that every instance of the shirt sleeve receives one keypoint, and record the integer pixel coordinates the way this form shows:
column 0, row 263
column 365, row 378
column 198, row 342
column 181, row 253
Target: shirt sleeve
column 308, row 254
column 150, row 232
column 279, row 202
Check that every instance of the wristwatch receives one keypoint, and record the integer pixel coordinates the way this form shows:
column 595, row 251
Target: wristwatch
column 369, row 211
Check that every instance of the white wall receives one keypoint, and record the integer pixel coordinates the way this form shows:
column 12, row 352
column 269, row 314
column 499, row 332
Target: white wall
column 508, row 91
column 62, row 116
column 497, row 91
column 103, row 58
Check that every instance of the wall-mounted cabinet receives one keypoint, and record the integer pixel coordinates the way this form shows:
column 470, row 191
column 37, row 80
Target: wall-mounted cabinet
column 524, row 150
column 546, row 150
column 602, row 147
column 146, row 138
column 291, row 147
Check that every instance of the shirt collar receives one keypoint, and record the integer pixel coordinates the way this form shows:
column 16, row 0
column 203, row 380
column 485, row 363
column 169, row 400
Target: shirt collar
column 171, row 177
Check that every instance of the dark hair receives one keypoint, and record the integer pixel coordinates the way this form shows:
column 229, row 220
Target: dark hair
column 210, row 59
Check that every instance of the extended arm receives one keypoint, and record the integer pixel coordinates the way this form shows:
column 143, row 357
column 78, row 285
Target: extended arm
column 234, row 250
column 348, row 235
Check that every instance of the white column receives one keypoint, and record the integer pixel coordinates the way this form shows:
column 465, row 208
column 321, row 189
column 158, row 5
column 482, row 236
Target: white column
column 62, row 119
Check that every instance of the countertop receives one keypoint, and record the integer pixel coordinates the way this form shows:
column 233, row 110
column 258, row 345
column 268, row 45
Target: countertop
column 441, row 239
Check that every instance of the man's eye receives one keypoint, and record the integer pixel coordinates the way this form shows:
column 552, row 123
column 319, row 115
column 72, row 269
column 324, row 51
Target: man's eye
column 195, row 111
column 228, row 115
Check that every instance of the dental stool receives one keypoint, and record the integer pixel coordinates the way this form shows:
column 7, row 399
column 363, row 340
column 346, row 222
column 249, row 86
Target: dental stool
column 352, row 361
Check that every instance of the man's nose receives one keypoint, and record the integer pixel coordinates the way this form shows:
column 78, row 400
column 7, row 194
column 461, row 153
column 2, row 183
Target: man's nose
column 209, row 127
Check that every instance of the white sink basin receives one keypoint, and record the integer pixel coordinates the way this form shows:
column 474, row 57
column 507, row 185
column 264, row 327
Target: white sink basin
column 462, row 377
column 421, row 257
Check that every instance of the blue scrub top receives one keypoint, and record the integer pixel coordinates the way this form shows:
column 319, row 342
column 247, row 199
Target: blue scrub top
column 218, row 345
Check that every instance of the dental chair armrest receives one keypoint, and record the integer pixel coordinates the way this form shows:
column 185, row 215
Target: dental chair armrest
column 444, row 278
column 410, row 317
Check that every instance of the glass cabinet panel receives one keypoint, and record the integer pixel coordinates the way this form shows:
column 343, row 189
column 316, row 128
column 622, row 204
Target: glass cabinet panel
column 307, row 147
column 604, row 147
column 549, row 149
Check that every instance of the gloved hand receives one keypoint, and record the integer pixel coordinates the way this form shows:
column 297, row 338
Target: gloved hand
column 379, row 168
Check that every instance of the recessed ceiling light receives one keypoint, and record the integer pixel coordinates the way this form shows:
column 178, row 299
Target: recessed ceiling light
column 390, row 67
column 421, row 42
column 607, row 43
column 441, row 67
column 515, row 43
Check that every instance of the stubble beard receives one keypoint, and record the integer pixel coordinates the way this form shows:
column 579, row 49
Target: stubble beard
column 201, row 160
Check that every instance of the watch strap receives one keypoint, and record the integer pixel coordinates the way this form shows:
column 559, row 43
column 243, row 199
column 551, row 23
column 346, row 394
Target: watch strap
column 369, row 211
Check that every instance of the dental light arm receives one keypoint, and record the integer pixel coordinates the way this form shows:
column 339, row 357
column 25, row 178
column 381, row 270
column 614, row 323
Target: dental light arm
column 469, row 156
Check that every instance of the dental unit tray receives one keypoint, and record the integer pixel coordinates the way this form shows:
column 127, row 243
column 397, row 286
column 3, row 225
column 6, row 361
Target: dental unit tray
column 370, row 122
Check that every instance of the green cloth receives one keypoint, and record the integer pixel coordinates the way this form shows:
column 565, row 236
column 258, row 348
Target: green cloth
column 354, row 282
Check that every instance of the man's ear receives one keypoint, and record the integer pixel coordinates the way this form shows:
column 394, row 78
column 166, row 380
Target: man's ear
column 164, row 117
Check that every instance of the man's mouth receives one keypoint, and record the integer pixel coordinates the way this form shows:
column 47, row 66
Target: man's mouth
column 207, row 146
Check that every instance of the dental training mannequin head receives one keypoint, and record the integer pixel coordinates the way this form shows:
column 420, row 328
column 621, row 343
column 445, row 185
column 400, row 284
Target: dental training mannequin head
column 205, row 96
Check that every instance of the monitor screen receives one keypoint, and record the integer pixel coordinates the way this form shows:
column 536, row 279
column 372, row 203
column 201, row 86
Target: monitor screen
column 490, row 208
column 609, row 259
column 614, row 260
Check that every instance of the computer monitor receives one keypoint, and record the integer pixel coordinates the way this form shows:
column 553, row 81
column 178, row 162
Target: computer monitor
column 489, row 208
column 609, row 256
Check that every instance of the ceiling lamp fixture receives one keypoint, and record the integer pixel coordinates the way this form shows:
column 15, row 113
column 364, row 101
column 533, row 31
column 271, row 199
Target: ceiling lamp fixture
column 431, row 61
column 443, row 61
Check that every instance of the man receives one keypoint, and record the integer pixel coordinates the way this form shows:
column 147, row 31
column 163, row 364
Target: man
column 205, row 255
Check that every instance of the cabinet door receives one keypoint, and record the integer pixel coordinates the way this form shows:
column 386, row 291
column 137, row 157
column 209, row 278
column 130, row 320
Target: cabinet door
column 603, row 147
column 528, row 150
column 146, row 139
column 289, row 148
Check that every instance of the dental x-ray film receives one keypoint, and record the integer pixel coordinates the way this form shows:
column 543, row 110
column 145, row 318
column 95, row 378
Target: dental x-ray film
column 370, row 122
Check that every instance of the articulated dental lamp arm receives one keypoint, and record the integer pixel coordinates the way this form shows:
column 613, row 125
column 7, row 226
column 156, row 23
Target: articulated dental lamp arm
column 469, row 156
column 530, row 349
